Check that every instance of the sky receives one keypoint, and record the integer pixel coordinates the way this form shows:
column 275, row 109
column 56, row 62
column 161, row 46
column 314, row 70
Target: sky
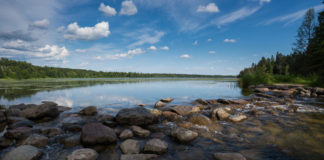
column 150, row 36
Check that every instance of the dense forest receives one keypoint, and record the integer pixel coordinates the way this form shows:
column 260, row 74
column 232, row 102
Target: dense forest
column 11, row 69
column 304, row 65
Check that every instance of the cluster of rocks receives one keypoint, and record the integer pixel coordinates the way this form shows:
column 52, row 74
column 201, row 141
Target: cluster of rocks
column 138, row 132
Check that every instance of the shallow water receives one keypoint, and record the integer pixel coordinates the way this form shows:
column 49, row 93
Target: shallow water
column 278, row 135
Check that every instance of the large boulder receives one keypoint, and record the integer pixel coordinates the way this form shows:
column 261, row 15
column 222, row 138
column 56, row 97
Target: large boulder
column 89, row 111
column 36, row 140
column 138, row 156
column 47, row 109
column 184, row 135
column 83, row 154
column 25, row 152
column 130, row 147
column 185, row 110
column 229, row 156
column 135, row 116
column 156, row 146
column 97, row 133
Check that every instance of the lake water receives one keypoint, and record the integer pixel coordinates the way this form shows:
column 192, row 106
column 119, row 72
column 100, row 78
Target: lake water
column 115, row 93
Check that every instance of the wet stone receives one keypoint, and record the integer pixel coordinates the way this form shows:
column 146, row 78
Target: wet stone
column 89, row 111
column 25, row 152
column 140, row 131
column 83, row 154
column 97, row 133
column 130, row 146
column 36, row 140
column 184, row 135
column 156, row 146
column 229, row 156
column 125, row 134
column 138, row 156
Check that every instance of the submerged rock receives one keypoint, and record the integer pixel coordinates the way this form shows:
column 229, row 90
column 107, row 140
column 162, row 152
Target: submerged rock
column 156, row 146
column 72, row 141
column 97, row 133
column 135, row 116
column 25, row 152
column 130, row 147
column 138, row 156
column 184, row 135
column 83, row 154
column 36, row 140
column 89, row 111
column 229, row 156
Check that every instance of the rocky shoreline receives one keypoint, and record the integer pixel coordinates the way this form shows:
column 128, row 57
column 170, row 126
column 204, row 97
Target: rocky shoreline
column 162, row 131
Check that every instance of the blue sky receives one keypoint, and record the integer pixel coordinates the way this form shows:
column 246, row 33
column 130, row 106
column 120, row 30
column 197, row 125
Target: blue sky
column 151, row 36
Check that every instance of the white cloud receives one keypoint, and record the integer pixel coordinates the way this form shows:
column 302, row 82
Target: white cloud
column 74, row 32
column 41, row 24
column 81, row 50
column 84, row 64
column 195, row 42
column 17, row 44
column 209, row 40
column 265, row 1
column 212, row 52
column 185, row 56
column 164, row 48
column 99, row 58
column 152, row 48
column 109, row 11
column 292, row 17
column 229, row 40
column 128, row 54
column 128, row 8
column 234, row 16
column 60, row 29
column 210, row 8
column 146, row 38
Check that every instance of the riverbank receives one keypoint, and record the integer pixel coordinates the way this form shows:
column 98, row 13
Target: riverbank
column 274, row 122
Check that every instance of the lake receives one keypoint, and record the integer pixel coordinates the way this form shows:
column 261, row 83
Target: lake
column 115, row 93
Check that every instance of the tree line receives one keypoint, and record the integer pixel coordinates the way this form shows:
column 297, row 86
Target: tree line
column 11, row 69
column 304, row 65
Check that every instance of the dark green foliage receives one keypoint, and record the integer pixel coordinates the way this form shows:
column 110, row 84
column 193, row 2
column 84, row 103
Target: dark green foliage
column 304, row 65
column 23, row 70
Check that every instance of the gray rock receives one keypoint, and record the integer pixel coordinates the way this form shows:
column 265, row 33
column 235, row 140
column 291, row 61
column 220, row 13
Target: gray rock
column 140, row 131
column 97, row 133
column 51, row 132
column 23, row 123
column 138, row 156
column 220, row 114
column 184, row 135
column 19, row 133
column 83, row 154
column 156, row 146
column 237, row 117
column 130, row 147
column 159, row 104
column 36, row 140
column 201, row 101
column 72, row 141
column 89, row 111
column 229, row 156
column 200, row 119
column 127, row 133
column 13, row 112
column 167, row 100
column 47, row 109
column 185, row 110
column 25, row 152
column 135, row 116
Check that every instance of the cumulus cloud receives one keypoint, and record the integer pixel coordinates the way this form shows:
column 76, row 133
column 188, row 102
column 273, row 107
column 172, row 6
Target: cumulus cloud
column 152, row 48
column 75, row 32
column 16, row 44
column 80, row 50
column 60, row 29
column 146, row 38
column 41, row 24
column 212, row 52
column 164, row 48
column 210, row 8
column 265, row 1
column 15, row 35
column 185, row 56
column 52, row 52
column 229, row 40
column 128, row 8
column 128, row 54
column 109, row 11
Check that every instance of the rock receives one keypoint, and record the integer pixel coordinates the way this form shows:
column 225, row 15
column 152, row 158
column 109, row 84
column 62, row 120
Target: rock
column 229, row 156
column 200, row 119
column 159, row 135
column 167, row 100
column 21, row 106
column 127, row 133
column 184, row 135
column 141, row 105
column 110, row 123
column 97, row 133
column 47, row 109
column 72, row 141
column 63, row 108
column 261, row 90
column 156, row 112
column 220, row 114
column 106, row 117
column 73, row 124
column 23, row 123
column 171, row 116
column 237, row 117
column 36, row 140
column 19, row 133
column 185, row 110
column 264, row 95
column 89, row 111
column 239, row 101
column 25, row 152
column 140, row 131
column 5, row 142
column 138, row 156
column 156, row 146
column 3, row 116
column 83, row 154
column 201, row 101
column 319, row 91
column 13, row 112
column 159, row 104
column 130, row 147
column 12, row 120
column 223, row 101
column 135, row 116
column 51, row 132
